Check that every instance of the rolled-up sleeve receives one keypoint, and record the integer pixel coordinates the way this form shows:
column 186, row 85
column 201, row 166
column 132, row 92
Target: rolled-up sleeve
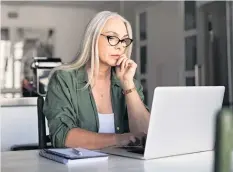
column 58, row 109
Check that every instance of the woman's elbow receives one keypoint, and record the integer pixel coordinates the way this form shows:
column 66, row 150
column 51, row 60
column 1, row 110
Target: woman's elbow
column 69, row 138
column 61, row 139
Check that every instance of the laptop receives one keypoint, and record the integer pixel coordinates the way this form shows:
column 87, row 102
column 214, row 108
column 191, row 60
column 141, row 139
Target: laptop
column 182, row 121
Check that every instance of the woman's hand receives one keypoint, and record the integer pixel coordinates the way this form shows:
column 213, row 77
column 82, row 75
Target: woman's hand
column 125, row 71
column 124, row 139
column 130, row 139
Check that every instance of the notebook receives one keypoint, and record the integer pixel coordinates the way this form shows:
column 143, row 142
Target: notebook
column 71, row 156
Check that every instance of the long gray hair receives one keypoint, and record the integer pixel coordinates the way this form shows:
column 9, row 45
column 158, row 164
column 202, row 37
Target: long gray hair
column 89, row 47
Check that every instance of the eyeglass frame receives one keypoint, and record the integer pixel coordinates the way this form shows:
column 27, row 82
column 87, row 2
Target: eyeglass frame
column 119, row 40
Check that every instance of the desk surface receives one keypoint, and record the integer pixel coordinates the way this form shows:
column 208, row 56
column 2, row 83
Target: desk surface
column 29, row 161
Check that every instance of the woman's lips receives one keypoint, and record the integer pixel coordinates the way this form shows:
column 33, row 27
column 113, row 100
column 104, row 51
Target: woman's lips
column 115, row 56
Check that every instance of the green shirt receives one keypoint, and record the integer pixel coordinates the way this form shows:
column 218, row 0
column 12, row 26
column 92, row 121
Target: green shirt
column 67, row 106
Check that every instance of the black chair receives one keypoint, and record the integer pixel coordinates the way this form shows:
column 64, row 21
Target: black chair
column 43, row 139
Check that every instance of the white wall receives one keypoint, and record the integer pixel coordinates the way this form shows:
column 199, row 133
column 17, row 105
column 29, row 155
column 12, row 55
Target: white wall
column 165, row 45
column 69, row 24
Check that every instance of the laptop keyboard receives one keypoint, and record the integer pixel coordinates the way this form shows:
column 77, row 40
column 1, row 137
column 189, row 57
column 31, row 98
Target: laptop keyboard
column 136, row 147
column 138, row 150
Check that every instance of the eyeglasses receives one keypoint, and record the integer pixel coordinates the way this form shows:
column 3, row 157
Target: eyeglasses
column 113, row 40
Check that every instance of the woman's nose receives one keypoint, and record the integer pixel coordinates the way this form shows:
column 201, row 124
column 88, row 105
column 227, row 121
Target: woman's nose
column 119, row 46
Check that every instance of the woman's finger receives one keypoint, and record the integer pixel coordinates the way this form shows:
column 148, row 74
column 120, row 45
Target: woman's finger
column 123, row 64
column 132, row 139
column 120, row 61
column 129, row 63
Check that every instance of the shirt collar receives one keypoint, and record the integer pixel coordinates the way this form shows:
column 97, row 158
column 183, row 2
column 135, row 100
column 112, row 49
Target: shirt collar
column 114, row 78
column 82, row 76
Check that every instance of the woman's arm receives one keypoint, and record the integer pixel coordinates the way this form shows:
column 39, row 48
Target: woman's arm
column 78, row 137
column 137, row 113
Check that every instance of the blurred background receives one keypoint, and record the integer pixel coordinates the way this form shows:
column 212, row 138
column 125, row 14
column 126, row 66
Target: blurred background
column 177, row 43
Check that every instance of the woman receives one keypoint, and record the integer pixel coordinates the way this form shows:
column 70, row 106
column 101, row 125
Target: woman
column 95, row 102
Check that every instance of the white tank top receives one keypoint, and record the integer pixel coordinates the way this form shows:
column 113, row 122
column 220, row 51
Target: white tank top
column 106, row 123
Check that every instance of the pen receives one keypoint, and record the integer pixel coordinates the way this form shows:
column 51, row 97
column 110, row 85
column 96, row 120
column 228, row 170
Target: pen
column 77, row 151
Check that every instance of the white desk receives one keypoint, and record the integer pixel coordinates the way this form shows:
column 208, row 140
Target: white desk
column 30, row 161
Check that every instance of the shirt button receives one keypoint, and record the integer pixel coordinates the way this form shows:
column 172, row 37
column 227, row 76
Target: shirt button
column 118, row 128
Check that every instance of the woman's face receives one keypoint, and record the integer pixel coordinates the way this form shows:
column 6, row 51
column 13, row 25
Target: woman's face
column 109, row 50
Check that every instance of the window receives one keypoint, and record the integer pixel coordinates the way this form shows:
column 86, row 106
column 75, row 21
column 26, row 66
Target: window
column 10, row 60
column 190, row 45
column 143, row 59
column 190, row 15
column 190, row 52
column 18, row 47
column 18, row 53
column 141, row 51
column 143, row 24
column 6, row 60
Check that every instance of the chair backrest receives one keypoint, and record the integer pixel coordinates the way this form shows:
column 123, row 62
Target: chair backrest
column 42, row 137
